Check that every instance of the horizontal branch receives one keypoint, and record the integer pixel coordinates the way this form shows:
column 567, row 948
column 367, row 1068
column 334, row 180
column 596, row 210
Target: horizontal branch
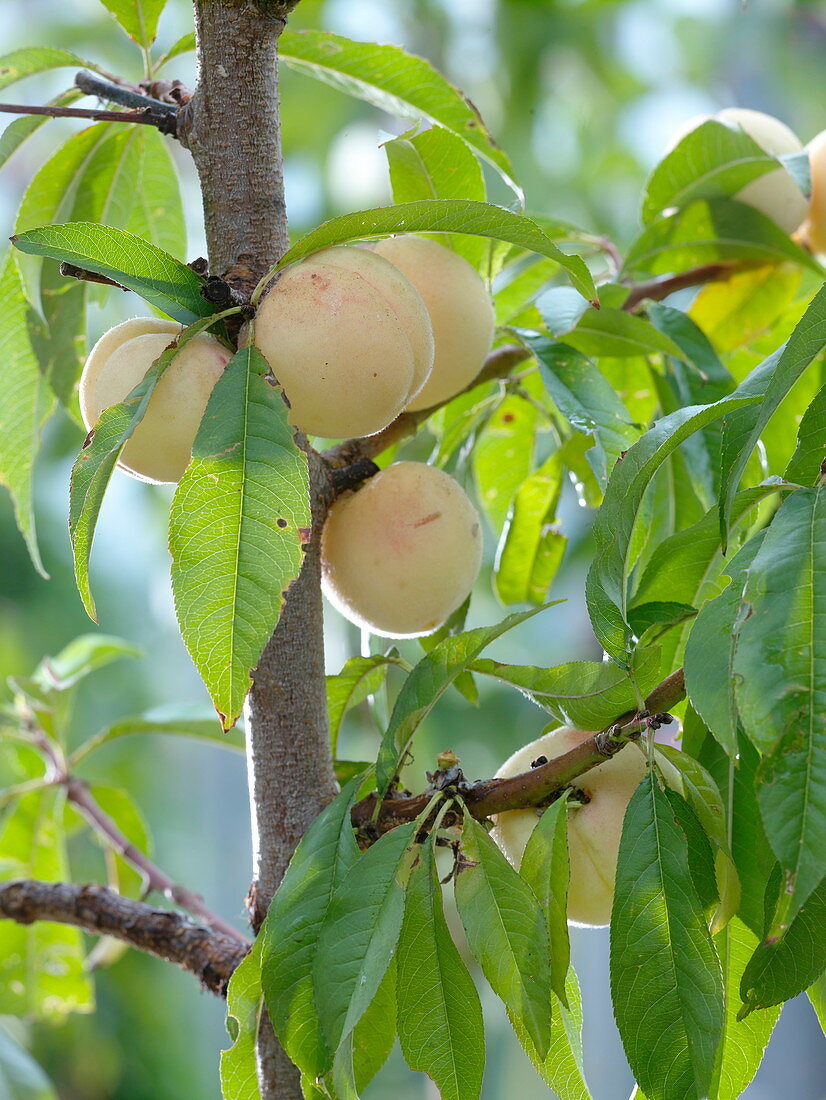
column 146, row 116
column 535, row 787
column 123, row 94
column 210, row 956
column 656, row 289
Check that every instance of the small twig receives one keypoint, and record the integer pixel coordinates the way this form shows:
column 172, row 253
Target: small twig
column 656, row 289
column 145, row 117
column 498, row 364
column 208, row 954
column 126, row 96
column 537, row 786
column 72, row 272
column 78, row 793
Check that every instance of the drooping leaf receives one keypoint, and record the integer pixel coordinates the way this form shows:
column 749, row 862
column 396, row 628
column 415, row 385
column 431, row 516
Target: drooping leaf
column 360, row 677
column 436, row 164
column 503, row 457
column 239, row 1074
column 96, row 462
column 479, row 219
column 42, row 972
column 324, row 855
column 738, row 310
column 21, row 1078
column 586, row 400
column 159, row 278
column 25, row 62
column 710, row 653
column 81, row 657
column 817, row 996
column 157, row 213
column 239, row 516
column 25, row 404
column 744, row 1041
column 506, row 932
column 394, row 81
column 175, row 722
column 562, row 1068
column 139, row 18
column 426, row 684
column 779, row 673
column 779, row 969
column 712, row 161
column 614, row 332
column 588, row 695
column 532, row 546
column 439, row 1014
column 375, row 1033
column 360, row 932
column 705, row 232
column 774, row 380
column 546, row 868
column 662, row 956
column 807, row 462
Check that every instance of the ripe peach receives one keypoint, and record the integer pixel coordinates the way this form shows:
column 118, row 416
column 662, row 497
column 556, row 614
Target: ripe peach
column 402, row 552
column 160, row 447
column 349, row 340
column 813, row 230
column 594, row 829
column 460, row 310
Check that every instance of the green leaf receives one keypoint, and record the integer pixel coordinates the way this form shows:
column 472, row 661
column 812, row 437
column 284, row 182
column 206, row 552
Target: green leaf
column 705, row 232
column 806, row 463
column 531, row 547
column 157, row 213
column 562, row 1068
column 779, row 969
column 360, row 932
column 396, row 82
column 426, row 684
column 779, row 673
column 744, row 1042
column 121, row 808
column 713, row 161
column 506, row 933
column 185, row 44
column 614, row 332
column 439, row 1013
column 20, row 129
column 238, row 521
column 546, row 868
column 662, row 956
column 139, row 18
column 521, row 282
column 375, row 1033
column 710, row 652
column 175, row 722
column 607, row 583
column 737, row 311
column 772, row 380
column 25, row 404
column 360, row 677
column 817, row 995
column 159, row 278
column 19, row 64
column 21, row 1078
column 42, row 972
column 503, row 457
column 239, row 1076
column 436, row 164
column 299, row 909
column 82, row 656
column 588, row 695
column 94, row 465
column 479, row 219
column 587, row 401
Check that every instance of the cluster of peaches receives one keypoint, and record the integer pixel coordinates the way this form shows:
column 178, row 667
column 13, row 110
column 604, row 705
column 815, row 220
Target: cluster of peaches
column 355, row 336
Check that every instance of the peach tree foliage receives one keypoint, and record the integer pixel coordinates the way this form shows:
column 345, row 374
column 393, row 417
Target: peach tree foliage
column 698, row 448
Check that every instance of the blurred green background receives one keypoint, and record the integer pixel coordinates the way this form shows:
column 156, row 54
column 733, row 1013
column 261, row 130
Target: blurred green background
column 584, row 95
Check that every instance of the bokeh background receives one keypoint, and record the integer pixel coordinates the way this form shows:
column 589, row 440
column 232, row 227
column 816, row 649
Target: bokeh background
column 584, row 95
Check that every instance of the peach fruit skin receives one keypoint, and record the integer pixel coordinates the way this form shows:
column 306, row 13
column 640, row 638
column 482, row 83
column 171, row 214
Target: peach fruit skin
column 159, row 450
column 347, row 354
column 594, row 829
column 813, row 230
column 460, row 309
column 401, row 553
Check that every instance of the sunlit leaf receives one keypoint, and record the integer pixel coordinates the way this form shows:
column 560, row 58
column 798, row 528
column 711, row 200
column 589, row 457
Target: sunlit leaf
column 239, row 1075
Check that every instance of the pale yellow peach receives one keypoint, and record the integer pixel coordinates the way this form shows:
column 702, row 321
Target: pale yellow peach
column 594, row 829
column 402, row 552
column 159, row 449
column 813, row 230
column 460, row 310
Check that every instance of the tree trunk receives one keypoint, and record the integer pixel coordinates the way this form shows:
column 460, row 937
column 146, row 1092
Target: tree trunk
column 233, row 133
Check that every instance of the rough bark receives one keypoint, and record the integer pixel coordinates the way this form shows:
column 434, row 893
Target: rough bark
column 208, row 954
column 231, row 125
